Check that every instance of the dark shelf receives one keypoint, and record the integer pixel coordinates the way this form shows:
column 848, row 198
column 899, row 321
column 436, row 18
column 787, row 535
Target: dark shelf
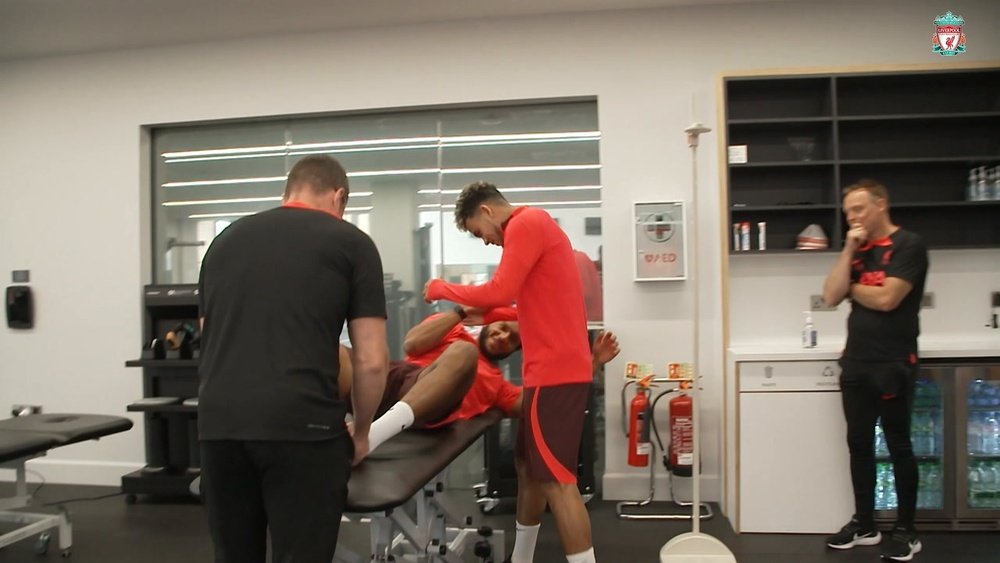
column 894, row 127
column 798, row 207
column 191, row 363
column 927, row 116
column 783, row 164
column 779, row 120
column 986, row 203
column 919, row 160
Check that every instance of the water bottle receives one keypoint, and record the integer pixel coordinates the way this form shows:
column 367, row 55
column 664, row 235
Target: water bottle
column 879, row 487
column 922, row 492
column 933, row 486
column 881, row 449
column 975, row 433
column 996, row 482
column 982, row 188
column 971, row 191
column 991, row 434
column 918, row 433
column 974, row 488
column 996, row 183
column 987, row 485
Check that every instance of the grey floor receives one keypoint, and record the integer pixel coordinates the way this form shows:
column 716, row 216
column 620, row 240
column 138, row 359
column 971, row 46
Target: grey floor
column 173, row 531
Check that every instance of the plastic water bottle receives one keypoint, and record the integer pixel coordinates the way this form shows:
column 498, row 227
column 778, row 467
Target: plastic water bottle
column 974, row 488
column 922, row 491
column 982, row 188
column 879, row 487
column 921, row 432
column 987, row 485
column 991, row 434
column 933, row 482
column 996, row 183
column 881, row 448
column 808, row 331
column 996, row 481
column 971, row 192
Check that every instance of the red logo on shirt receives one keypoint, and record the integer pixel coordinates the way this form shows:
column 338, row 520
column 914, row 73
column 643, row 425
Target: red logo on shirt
column 886, row 257
column 872, row 278
column 857, row 264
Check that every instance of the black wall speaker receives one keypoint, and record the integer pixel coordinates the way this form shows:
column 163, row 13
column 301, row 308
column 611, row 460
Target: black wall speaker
column 20, row 307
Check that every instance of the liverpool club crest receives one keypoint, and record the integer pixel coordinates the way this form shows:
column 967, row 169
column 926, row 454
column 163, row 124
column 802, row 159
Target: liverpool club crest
column 949, row 39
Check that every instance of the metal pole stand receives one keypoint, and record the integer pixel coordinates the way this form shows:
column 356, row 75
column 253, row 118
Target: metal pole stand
column 695, row 546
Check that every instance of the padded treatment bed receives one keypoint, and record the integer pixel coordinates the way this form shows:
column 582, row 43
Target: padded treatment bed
column 396, row 487
column 26, row 437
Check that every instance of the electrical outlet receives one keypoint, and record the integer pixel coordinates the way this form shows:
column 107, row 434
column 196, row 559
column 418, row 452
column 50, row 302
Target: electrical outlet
column 927, row 302
column 816, row 303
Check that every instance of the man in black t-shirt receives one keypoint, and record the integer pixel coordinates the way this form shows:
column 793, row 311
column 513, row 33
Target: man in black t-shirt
column 882, row 270
column 276, row 289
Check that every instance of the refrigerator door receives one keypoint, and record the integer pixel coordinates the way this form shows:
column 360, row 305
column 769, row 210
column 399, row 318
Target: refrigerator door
column 927, row 435
column 978, row 432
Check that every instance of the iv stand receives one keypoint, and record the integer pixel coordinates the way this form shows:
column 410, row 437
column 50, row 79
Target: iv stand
column 695, row 546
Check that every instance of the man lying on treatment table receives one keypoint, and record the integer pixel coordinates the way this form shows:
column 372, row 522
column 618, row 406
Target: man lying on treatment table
column 448, row 376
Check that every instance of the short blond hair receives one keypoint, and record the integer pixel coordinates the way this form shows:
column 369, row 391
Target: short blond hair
column 875, row 189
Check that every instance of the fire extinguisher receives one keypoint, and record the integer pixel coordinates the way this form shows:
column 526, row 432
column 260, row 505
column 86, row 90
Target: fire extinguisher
column 681, row 459
column 639, row 447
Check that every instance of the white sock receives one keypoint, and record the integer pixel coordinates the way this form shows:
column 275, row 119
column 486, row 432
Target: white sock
column 582, row 557
column 398, row 418
column 524, row 543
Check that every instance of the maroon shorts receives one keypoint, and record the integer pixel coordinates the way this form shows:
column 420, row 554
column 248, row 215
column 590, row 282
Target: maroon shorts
column 402, row 376
column 551, row 425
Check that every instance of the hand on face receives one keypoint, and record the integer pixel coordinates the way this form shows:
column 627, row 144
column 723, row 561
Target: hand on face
column 856, row 236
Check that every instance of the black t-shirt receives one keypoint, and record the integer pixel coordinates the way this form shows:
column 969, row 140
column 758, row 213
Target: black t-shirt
column 276, row 289
column 888, row 336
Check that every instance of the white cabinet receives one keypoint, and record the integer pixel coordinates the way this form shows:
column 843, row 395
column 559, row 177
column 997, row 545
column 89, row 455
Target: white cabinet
column 792, row 458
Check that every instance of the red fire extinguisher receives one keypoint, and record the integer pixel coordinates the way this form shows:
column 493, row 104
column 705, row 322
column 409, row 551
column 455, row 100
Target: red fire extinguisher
column 681, row 435
column 638, row 426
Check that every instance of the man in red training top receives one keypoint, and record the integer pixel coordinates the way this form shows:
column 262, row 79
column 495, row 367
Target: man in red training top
column 538, row 271
column 448, row 375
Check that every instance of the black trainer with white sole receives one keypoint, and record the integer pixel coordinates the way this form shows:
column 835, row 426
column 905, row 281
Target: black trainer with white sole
column 902, row 545
column 854, row 534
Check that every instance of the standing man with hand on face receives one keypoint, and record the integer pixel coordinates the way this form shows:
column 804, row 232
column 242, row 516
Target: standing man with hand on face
column 276, row 288
column 882, row 270
column 538, row 271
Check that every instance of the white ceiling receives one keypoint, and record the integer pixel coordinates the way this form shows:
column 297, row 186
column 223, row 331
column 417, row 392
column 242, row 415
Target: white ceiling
column 36, row 28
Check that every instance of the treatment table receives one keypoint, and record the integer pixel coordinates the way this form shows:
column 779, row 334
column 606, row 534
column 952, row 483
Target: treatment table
column 26, row 437
column 396, row 488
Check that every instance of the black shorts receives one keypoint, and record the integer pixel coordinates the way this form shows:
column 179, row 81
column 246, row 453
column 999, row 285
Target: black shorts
column 550, row 429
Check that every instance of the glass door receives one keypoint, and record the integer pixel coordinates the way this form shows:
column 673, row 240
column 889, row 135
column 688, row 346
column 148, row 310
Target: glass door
column 927, row 432
column 978, row 473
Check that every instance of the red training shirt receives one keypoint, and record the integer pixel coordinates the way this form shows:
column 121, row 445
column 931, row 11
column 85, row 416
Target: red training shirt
column 538, row 270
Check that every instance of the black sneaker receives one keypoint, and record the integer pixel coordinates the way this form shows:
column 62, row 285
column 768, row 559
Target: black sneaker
column 902, row 545
column 854, row 534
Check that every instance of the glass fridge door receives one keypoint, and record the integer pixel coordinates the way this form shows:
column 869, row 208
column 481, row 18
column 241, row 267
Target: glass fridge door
column 978, row 483
column 927, row 432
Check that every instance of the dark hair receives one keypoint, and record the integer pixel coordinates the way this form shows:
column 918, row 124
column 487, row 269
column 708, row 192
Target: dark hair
column 493, row 358
column 875, row 189
column 471, row 198
column 320, row 173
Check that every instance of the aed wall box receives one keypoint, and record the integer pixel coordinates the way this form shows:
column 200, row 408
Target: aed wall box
column 20, row 307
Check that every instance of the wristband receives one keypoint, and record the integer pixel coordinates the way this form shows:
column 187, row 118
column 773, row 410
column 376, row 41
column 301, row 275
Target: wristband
column 460, row 311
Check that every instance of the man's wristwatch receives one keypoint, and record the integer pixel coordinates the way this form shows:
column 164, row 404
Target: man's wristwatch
column 460, row 311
